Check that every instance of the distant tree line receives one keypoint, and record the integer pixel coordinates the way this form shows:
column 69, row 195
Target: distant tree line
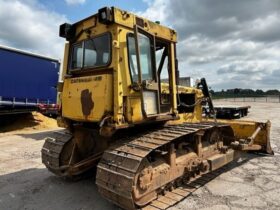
column 238, row 92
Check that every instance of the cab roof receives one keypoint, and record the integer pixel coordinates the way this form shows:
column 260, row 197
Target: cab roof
column 129, row 20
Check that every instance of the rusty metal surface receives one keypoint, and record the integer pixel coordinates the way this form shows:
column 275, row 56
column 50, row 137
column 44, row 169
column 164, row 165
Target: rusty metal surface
column 51, row 152
column 178, row 194
column 56, row 159
column 120, row 167
column 70, row 155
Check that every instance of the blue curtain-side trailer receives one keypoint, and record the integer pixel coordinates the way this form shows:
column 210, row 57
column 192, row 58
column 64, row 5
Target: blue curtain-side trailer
column 27, row 81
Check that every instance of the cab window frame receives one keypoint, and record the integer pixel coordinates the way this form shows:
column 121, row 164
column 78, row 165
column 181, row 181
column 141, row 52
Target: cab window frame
column 132, row 35
column 87, row 68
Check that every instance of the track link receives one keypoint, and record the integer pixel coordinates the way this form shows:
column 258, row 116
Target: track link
column 52, row 150
column 178, row 194
column 120, row 164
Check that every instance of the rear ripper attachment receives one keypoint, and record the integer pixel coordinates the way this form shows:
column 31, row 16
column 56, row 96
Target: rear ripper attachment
column 150, row 170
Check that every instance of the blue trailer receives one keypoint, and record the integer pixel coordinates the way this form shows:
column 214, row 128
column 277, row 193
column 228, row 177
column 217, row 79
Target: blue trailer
column 27, row 80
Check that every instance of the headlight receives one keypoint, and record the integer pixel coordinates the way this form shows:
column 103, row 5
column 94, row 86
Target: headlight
column 105, row 15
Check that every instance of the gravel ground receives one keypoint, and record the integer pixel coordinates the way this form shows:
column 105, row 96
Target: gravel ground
column 253, row 182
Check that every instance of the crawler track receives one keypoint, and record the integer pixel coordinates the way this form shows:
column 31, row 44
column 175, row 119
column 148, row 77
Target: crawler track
column 52, row 150
column 176, row 195
column 120, row 165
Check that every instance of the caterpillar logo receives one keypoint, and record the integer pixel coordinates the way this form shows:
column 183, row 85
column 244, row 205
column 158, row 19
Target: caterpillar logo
column 86, row 79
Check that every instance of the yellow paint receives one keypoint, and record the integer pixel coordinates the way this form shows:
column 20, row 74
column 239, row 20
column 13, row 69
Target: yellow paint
column 128, row 20
column 65, row 59
column 244, row 129
column 100, row 88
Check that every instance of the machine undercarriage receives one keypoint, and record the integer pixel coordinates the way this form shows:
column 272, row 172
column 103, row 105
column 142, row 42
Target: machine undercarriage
column 151, row 169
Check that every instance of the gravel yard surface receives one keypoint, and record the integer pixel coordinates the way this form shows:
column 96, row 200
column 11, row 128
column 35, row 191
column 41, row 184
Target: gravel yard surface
column 253, row 182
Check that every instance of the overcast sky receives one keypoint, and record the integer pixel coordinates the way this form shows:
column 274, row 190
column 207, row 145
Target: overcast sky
column 233, row 43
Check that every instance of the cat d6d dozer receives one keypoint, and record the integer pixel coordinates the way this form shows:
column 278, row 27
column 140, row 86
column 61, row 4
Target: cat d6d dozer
column 125, row 113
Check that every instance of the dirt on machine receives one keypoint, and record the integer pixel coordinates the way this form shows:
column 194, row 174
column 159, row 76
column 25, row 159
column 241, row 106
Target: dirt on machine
column 146, row 138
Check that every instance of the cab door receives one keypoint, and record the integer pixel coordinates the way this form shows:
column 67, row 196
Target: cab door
column 143, row 70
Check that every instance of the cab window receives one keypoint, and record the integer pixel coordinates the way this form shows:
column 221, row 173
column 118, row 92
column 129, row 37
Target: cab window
column 145, row 57
column 91, row 53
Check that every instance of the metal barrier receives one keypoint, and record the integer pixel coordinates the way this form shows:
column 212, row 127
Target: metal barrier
column 264, row 99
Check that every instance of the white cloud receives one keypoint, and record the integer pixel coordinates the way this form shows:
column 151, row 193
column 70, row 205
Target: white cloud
column 30, row 26
column 73, row 2
column 155, row 11
column 231, row 43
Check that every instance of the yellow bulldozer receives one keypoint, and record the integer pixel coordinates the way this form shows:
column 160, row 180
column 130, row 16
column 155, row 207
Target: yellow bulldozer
column 126, row 115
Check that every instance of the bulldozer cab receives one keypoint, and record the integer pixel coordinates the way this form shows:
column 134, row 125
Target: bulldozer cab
column 115, row 65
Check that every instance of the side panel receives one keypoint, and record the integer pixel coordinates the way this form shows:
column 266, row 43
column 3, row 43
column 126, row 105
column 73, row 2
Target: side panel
column 27, row 77
column 188, row 116
column 87, row 98
column 134, row 109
